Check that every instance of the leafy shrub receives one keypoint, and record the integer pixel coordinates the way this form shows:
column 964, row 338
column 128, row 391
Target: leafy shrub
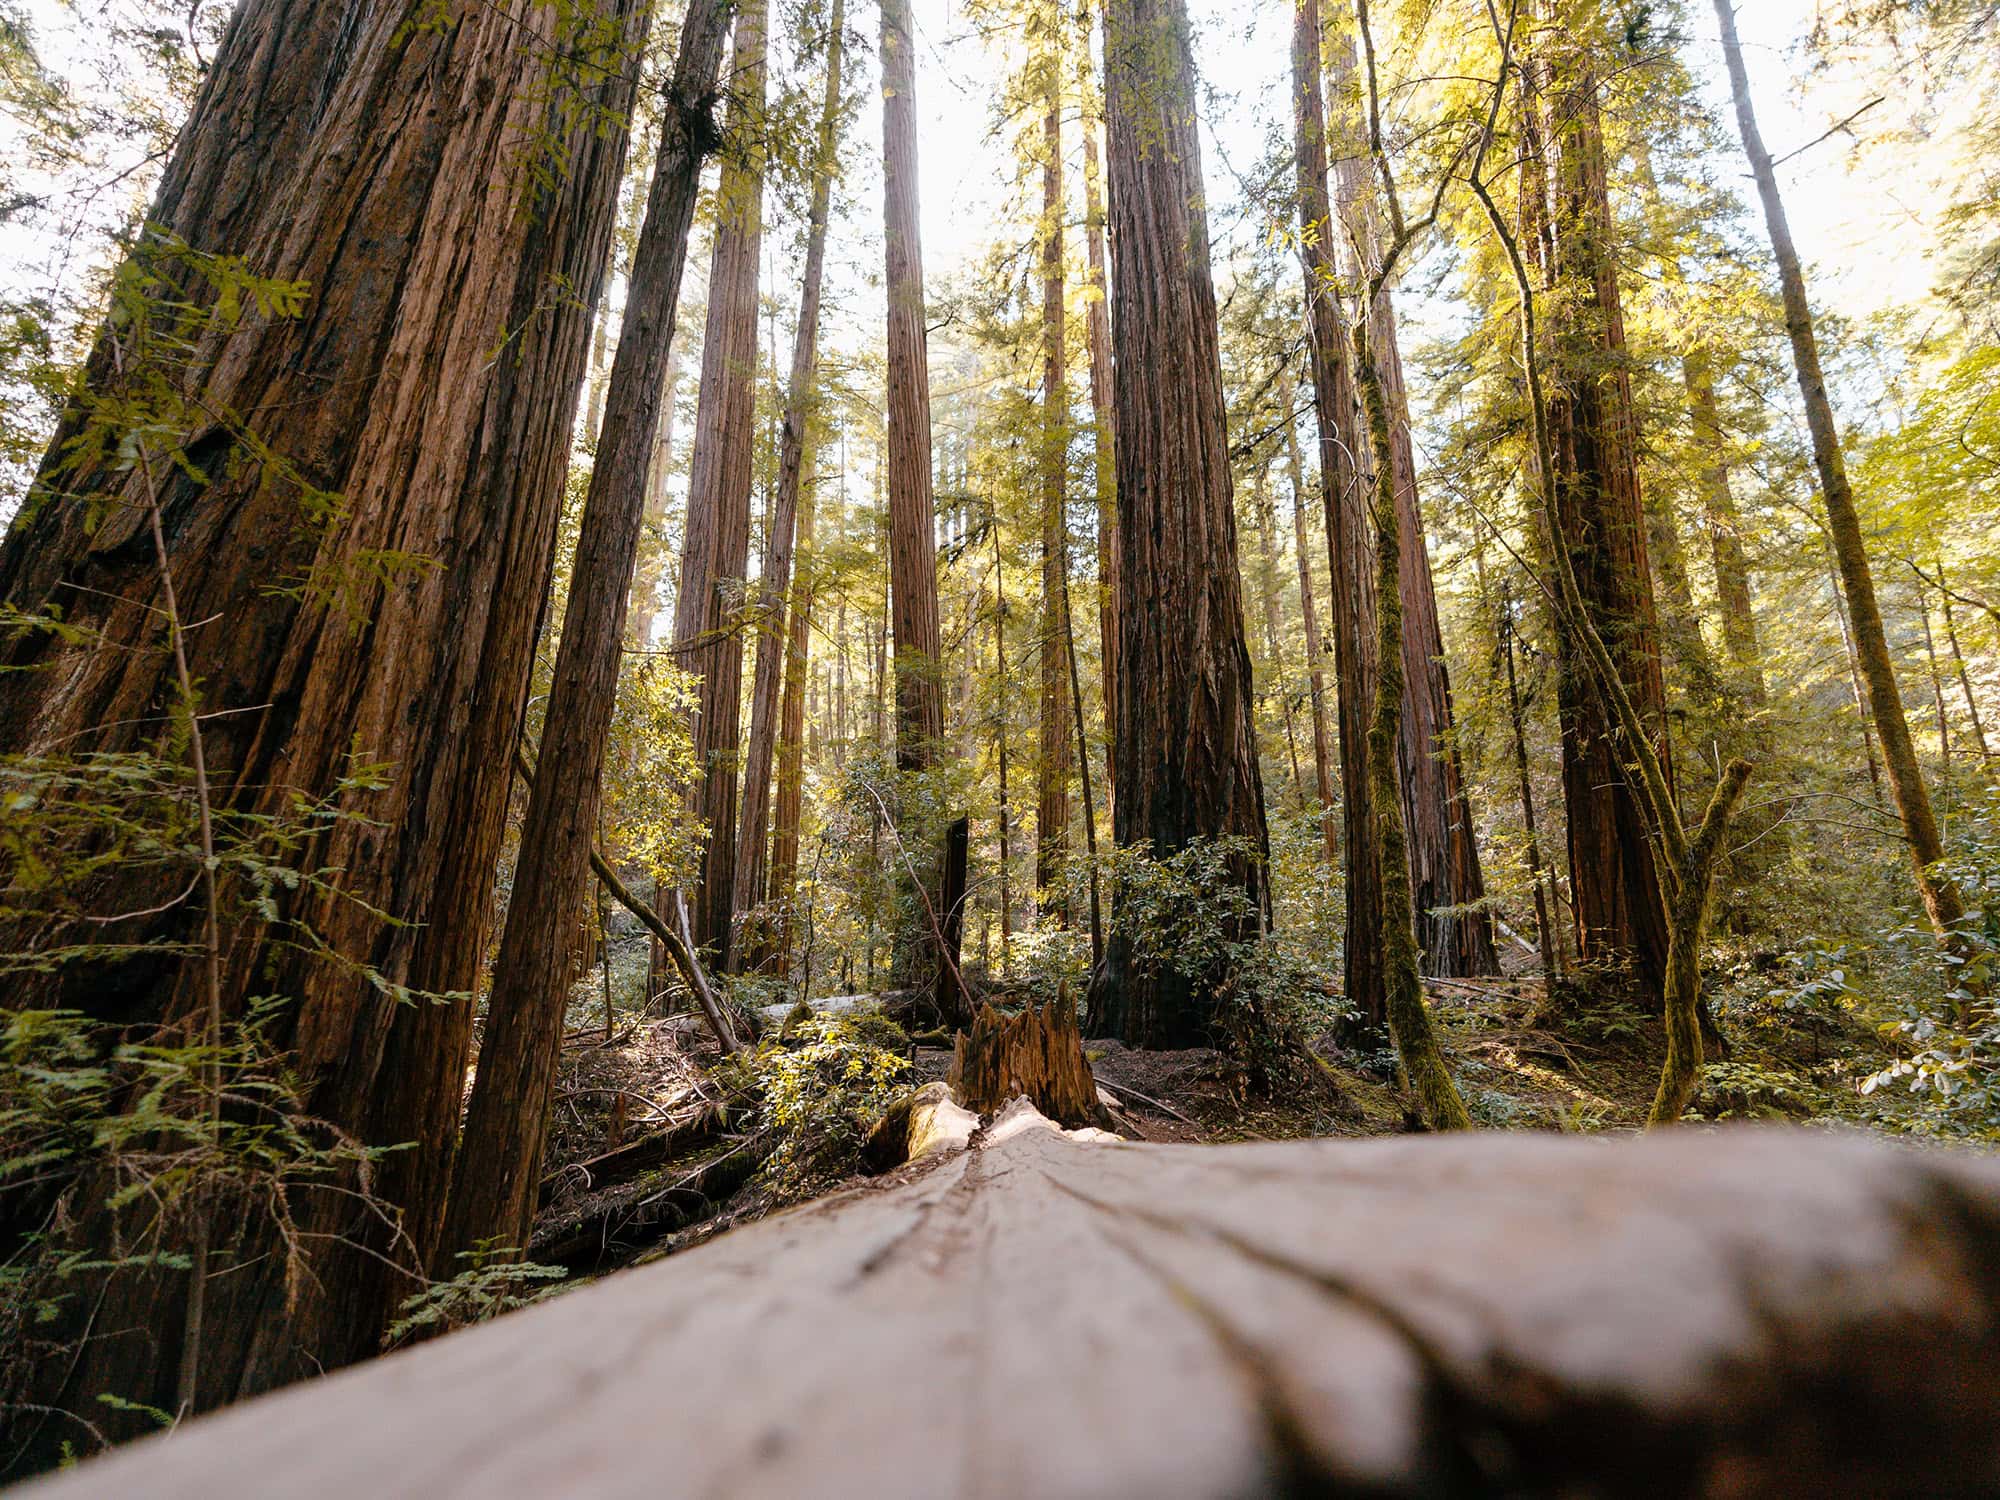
column 821, row 1084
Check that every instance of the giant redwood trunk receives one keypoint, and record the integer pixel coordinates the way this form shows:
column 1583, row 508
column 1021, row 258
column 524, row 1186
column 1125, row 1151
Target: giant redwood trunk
column 1052, row 764
column 785, row 526
column 1097, row 322
column 494, row 1184
column 1186, row 751
column 715, row 554
column 1620, row 915
column 926, row 957
column 1454, row 929
column 405, row 179
column 1344, row 497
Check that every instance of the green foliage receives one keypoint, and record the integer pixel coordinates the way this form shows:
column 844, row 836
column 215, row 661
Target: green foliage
column 493, row 1281
column 821, row 1085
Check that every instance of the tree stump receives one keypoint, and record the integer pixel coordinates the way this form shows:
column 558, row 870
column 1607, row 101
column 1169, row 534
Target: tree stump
column 1036, row 1055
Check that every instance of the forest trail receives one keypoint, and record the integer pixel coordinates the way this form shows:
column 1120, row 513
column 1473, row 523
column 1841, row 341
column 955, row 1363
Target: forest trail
column 1045, row 1313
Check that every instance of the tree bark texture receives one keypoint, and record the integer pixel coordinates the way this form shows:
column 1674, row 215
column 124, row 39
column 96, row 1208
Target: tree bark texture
column 1186, row 751
column 775, row 581
column 912, row 509
column 1620, row 913
column 715, row 554
column 1941, row 897
column 1315, row 650
column 1052, row 762
column 394, row 178
column 1097, row 323
column 1344, row 498
column 1454, row 931
column 500, row 1153
column 1400, row 1318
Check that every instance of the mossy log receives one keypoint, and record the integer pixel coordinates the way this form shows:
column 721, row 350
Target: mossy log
column 1751, row 1311
column 1036, row 1055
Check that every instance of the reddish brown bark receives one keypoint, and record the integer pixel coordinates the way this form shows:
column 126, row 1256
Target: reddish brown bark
column 323, row 148
column 1315, row 650
column 1186, row 752
column 715, row 554
column 927, row 955
column 500, row 1154
column 912, row 510
column 1344, row 499
column 1052, row 764
column 1097, row 323
column 785, row 526
column 1621, row 916
column 1454, row 931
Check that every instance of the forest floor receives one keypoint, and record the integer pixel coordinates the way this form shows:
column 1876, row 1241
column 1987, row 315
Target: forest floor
column 649, row 1152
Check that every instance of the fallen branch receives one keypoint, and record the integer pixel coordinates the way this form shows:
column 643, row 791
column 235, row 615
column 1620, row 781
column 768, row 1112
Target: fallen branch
column 678, row 947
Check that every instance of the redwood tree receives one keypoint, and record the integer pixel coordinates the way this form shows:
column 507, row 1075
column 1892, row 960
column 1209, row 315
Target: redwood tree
column 1621, row 915
column 1344, row 499
column 912, row 509
column 789, row 525
column 425, row 185
column 500, row 1155
column 1186, row 750
column 1053, row 756
column 715, row 552
column 1453, row 928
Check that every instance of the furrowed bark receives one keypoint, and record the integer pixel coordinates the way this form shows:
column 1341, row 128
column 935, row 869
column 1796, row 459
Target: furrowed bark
column 715, row 555
column 1454, row 930
column 500, row 1154
column 1052, row 762
column 776, row 578
column 324, row 149
column 1186, row 752
column 1342, row 441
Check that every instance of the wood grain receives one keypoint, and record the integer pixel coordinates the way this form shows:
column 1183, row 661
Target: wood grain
column 1735, row 1313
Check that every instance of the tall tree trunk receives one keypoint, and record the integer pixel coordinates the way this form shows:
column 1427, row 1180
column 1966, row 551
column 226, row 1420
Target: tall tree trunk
column 1097, row 323
column 1621, row 915
column 1958, row 662
column 1000, row 751
column 1940, row 894
column 912, row 509
column 1052, row 762
column 1545, row 931
column 1262, row 512
column 1315, row 652
column 1454, row 930
column 776, row 577
column 500, row 1154
column 1186, row 753
column 326, row 148
column 1854, row 681
column 1350, row 557
column 1725, row 536
column 659, row 477
column 792, row 747
column 715, row 554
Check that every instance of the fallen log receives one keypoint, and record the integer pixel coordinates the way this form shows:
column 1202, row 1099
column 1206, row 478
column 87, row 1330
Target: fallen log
column 1742, row 1312
column 636, row 1156
column 615, row 1226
